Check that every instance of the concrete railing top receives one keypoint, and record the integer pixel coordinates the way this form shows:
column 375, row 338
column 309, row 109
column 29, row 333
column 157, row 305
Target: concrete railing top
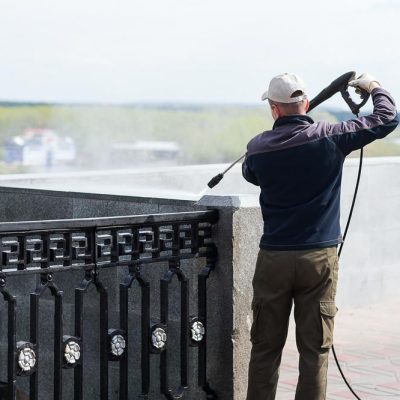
column 179, row 183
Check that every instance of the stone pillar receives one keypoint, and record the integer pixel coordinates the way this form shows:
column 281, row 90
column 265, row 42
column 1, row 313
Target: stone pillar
column 237, row 238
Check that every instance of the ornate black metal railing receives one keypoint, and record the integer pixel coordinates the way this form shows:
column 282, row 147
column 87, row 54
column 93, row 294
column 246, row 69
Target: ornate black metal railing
column 50, row 249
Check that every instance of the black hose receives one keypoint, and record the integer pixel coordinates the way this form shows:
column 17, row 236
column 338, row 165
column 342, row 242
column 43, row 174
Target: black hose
column 343, row 376
column 340, row 252
column 353, row 202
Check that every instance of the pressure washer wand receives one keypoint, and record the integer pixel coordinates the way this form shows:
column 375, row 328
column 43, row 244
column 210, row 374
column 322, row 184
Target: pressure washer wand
column 338, row 85
column 217, row 178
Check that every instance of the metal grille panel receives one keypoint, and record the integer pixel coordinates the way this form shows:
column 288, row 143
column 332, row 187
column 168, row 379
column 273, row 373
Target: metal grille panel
column 49, row 249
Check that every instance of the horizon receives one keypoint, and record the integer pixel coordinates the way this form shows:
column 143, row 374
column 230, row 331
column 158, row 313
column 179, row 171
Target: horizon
column 167, row 104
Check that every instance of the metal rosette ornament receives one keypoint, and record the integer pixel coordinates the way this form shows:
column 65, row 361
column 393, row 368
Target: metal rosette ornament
column 26, row 358
column 197, row 331
column 117, row 344
column 72, row 351
column 158, row 338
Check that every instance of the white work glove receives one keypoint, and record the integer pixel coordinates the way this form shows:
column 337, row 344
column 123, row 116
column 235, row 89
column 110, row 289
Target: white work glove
column 365, row 81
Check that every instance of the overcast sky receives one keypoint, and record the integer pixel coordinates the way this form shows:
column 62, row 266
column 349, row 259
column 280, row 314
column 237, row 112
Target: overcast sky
column 190, row 50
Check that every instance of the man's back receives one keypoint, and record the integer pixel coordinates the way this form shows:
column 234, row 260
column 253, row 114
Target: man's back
column 298, row 166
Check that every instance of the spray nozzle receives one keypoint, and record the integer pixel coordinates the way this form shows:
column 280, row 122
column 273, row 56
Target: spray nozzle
column 214, row 181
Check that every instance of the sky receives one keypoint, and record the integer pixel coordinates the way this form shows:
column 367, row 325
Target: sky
column 190, row 51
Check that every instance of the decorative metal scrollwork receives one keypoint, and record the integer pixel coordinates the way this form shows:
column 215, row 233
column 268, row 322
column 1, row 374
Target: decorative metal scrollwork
column 26, row 358
column 158, row 338
column 197, row 331
column 117, row 343
column 48, row 249
column 72, row 352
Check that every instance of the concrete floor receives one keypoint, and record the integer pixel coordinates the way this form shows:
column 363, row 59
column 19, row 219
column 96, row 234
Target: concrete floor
column 367, row 342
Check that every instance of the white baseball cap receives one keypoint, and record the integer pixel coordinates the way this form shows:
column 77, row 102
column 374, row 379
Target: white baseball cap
column 285, row 88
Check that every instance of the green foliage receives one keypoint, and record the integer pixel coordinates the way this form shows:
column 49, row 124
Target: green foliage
column 206, row 134
column 380, row 148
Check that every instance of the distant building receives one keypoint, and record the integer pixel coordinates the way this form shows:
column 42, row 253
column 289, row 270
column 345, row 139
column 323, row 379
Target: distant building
column 145, row 152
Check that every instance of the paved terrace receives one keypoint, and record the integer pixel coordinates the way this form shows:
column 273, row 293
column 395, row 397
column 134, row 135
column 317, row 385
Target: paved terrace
column 367, row 341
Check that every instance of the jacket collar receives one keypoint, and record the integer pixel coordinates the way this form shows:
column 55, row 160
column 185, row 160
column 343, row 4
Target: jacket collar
column 292, row 119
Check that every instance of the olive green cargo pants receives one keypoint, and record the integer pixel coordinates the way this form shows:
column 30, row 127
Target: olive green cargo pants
column 308, row 278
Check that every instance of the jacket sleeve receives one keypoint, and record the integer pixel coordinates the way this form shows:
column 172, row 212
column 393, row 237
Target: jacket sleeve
column 355, row 134
column 248, row 173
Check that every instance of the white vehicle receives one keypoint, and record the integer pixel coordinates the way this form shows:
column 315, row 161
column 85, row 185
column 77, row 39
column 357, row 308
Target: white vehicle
column 39, row 147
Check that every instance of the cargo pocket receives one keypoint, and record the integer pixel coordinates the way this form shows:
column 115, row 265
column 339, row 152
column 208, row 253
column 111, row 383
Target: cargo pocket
column 328, row 311
column 256, row 307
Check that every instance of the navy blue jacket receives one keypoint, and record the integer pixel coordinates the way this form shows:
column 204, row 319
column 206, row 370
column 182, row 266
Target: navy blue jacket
column 298, row 166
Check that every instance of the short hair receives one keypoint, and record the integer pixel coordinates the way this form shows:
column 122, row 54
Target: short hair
column 289, row 108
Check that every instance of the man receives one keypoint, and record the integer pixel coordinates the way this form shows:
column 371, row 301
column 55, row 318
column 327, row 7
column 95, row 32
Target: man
column 298, row 166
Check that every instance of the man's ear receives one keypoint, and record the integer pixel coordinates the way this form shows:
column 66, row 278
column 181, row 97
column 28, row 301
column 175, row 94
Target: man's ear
column 307, row 105
column 275, row 112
